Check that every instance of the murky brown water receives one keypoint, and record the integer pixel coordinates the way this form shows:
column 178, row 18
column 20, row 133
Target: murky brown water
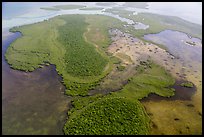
column 32, row 103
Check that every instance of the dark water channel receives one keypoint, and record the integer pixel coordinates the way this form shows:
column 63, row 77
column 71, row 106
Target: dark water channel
column 32, row 103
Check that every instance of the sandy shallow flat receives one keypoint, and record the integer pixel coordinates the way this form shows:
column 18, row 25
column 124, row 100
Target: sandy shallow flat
column 164, row 113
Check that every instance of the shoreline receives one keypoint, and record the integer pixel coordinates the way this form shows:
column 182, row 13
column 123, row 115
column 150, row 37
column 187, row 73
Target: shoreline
column 41, row 96
column 178, row 93
column 92, row 79
column 55, row 70
column 36, row 69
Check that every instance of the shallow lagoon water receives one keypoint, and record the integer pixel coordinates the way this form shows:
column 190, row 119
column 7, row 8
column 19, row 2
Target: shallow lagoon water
column 176, row 43
column 32, row 103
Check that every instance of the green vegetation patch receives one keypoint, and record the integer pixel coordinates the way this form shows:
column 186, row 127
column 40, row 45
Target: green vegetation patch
column 120, row 113
column 187, row 84
column 115, row 60
column 150, row 78
column 108, row 116
column 81, row 57
column 78, row 88
column 79, row 103
column 60, row 41
column 35, row 47
column 124, row 57
column 121, row 68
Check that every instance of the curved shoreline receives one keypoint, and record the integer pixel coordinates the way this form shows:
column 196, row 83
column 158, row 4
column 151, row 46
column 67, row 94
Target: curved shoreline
column 45, row 88
column 87, row 80
column 36, row 69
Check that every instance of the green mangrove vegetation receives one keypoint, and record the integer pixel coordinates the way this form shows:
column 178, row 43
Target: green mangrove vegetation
column 98, row 28
column 187, row 84
column 107, row 116
column 120, row 67
column 150, row 78
column 110, row 114
column 115, row 60
column 81, row 57
column 61, row 41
